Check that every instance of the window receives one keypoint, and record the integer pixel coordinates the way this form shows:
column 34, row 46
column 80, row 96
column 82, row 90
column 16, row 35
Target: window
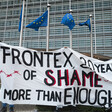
column 9, row 13
column 7, row 34
column 43, row 32
column 1, row 34
column 74, row 6
column 2, row 23
column 10, row 2
column 52, row 8
column 44, row 9
column 8, row 23
column 89, row 5
column 36, row 10
column 3, row 13
column 98, row 4
column 14, row 22
column 58, row 8
column 99, row 28
column 106, row 3
column 66, row 7
column 81, row 5
column 107, row 15
column 16, row 12
column 3, row 3
column 16, row 1
column 108, row 28
column 65, row 31
column 30, row 10
column 98, row 16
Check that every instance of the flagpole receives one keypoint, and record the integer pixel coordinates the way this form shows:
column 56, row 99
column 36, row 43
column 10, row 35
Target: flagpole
column 48, row 20
column 91, row 35
column 21, row 32
column 94, row 25
column 71, row 11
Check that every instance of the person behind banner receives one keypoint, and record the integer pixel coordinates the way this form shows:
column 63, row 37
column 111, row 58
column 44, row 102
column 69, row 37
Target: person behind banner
column 4, row 108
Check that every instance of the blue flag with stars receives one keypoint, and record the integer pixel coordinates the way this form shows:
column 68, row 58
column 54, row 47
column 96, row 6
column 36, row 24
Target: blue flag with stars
column 20, row 19
column 68, row 21
column 39, row 22
column 87, row 23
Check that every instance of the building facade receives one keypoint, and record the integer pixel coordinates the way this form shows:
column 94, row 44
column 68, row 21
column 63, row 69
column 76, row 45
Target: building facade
column 101, row 11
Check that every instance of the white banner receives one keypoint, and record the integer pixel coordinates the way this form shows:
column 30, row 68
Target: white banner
column 57, row 78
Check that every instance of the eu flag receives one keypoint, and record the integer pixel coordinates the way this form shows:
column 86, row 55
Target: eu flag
column 20, row 19
column 39, row 22
column 68, row 21
column 87, row 23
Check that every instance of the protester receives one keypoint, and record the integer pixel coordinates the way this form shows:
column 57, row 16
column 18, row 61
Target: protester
column 4, row 108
